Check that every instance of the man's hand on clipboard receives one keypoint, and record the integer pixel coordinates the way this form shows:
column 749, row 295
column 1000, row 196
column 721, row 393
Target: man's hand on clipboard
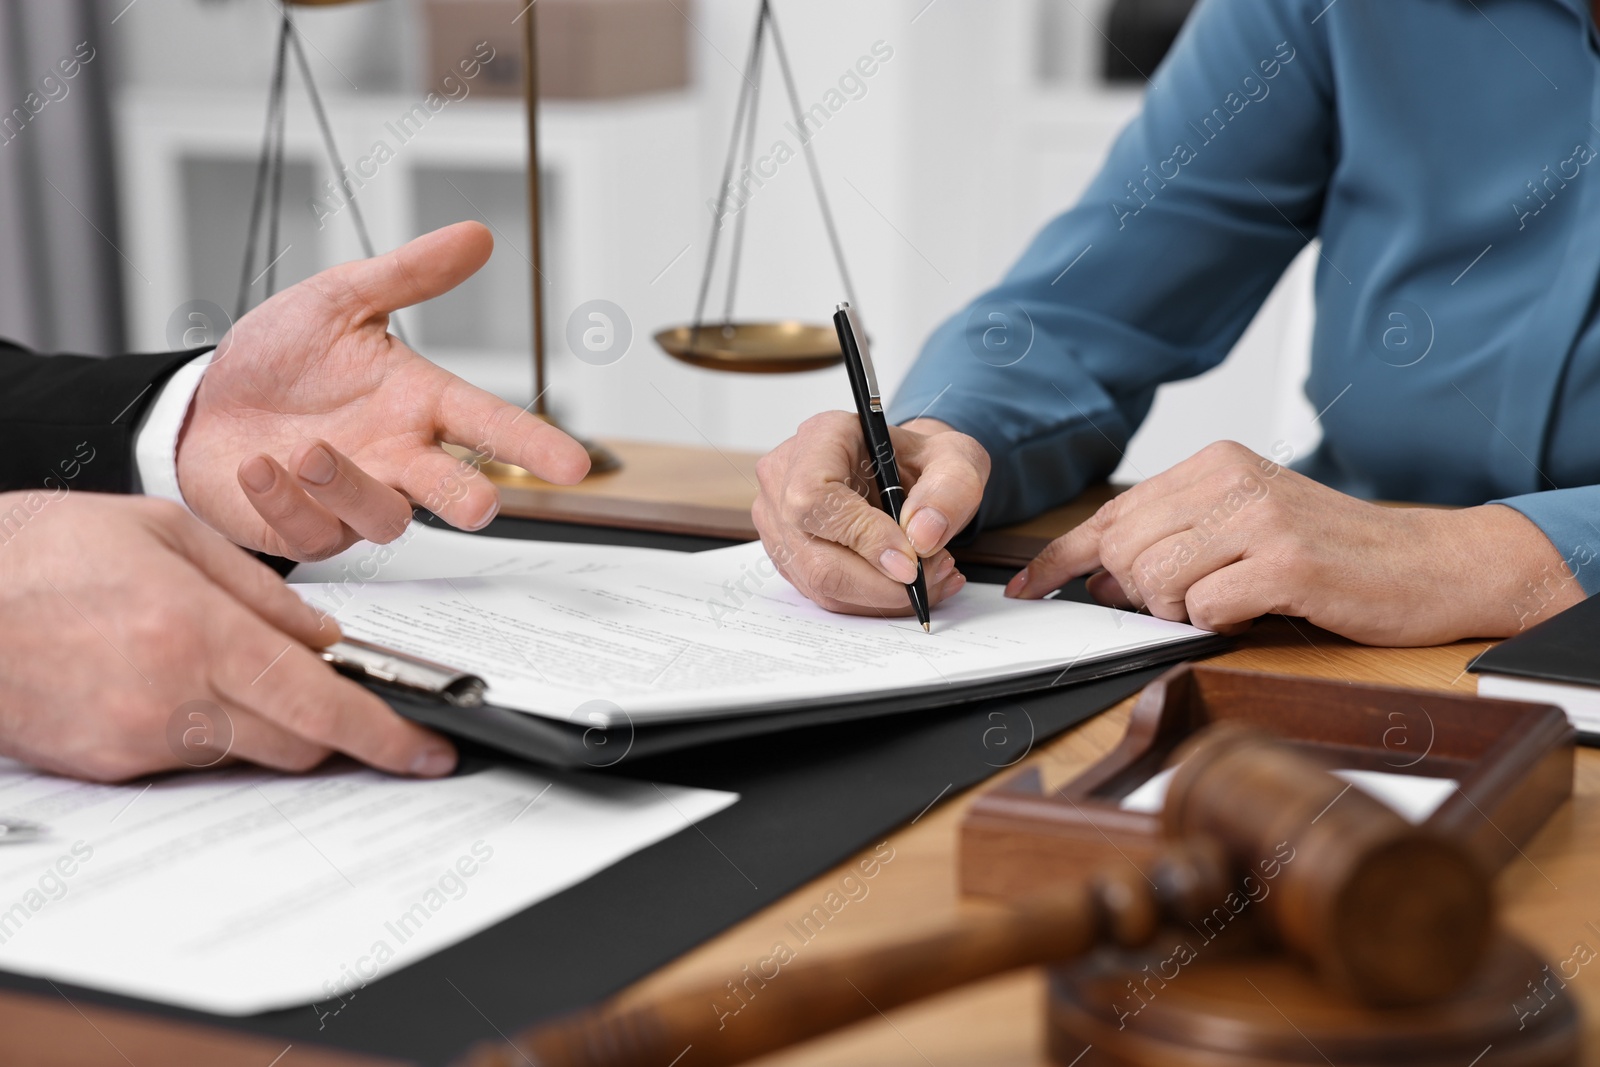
column 134, row 640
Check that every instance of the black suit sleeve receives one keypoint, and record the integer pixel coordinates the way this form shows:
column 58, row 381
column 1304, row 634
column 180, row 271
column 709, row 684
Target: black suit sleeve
column 70, row 420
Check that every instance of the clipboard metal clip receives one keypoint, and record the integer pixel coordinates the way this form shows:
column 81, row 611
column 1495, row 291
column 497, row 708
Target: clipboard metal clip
column 365, row 661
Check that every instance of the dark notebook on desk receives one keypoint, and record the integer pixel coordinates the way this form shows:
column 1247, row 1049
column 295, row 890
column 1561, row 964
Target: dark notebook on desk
column 1556, row 662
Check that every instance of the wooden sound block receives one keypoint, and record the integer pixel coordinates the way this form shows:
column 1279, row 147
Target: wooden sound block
column 1224, row 1003
column 1513, row 762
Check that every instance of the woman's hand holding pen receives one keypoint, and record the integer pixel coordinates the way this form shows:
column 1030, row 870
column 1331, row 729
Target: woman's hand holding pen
column 834, row 544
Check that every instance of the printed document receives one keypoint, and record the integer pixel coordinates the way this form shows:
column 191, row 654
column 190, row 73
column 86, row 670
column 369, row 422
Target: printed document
column 707, row 634
column 239, row 891
column 430, row 552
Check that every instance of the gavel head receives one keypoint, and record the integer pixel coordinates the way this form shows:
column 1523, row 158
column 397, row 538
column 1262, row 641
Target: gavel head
column 1385, row 910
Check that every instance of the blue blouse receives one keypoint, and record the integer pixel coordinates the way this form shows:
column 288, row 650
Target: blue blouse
column 1445, row 153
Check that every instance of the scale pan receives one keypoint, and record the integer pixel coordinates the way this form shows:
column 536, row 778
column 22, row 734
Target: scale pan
column 754, row 347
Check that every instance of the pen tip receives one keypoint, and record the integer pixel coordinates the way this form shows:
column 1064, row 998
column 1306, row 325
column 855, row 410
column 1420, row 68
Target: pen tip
column 927, row 629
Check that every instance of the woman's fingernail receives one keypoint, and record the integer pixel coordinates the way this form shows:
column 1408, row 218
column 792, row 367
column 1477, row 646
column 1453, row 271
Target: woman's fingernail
column 899, row 566
column 433, row 762
column 258, row 474
column 946, row 565
column 1018, row 584
column 926, row 529
column 958, row 583
column 317, row 468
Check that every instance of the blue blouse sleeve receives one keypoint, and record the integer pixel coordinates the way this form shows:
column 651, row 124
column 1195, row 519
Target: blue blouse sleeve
column 1571, row 519
column 1203, row 201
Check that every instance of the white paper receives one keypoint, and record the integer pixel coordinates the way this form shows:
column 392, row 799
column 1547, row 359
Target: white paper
column 1580, row 702
column 239, row 891
column 429, row 552
column 1150, row 795
column 1414, row 797
column 689, row 636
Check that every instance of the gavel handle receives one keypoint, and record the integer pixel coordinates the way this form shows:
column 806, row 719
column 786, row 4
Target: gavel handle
column 712, row 1025
column 1235, row 793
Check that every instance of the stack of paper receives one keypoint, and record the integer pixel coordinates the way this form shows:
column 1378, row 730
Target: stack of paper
column 607, row 637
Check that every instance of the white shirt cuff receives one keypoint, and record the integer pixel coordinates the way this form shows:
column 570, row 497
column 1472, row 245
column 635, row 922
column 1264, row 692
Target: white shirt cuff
column 155, row 443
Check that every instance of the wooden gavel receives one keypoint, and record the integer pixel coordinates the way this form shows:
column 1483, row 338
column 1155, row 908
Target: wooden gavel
column 1383, row 910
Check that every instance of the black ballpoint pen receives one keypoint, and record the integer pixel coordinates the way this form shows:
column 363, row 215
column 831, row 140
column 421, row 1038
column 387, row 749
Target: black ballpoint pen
column 875, row 429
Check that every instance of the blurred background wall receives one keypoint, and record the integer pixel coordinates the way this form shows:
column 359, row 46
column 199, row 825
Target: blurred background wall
column 60, row 269
column 986, row 118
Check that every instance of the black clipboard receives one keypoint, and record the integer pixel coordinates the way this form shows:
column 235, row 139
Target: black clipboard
column 582, row 745
column 575, row 745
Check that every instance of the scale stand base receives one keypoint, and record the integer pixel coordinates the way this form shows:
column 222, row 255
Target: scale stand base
column 601, row 461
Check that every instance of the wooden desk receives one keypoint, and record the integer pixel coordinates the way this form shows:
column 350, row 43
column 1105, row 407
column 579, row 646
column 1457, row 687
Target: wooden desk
column 709, row 492
column 1549, row 896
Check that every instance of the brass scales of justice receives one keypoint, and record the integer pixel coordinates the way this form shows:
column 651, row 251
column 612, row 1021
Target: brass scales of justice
column 723, row 345
column 269, row 186
column 757, row 347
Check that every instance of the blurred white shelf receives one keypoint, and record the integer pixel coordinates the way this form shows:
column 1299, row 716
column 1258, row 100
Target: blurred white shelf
column 937, row 182
column 188, row 164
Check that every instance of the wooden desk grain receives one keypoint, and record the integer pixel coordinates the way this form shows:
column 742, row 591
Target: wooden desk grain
column 1550, row 896
column 709, row 492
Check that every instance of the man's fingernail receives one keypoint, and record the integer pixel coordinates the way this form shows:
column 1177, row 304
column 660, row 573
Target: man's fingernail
column 898, row 565
column 433, row 762
column 258, row 474
column 487, row 517
column 317, row 468
column 1017, row 584
column 926, row 529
